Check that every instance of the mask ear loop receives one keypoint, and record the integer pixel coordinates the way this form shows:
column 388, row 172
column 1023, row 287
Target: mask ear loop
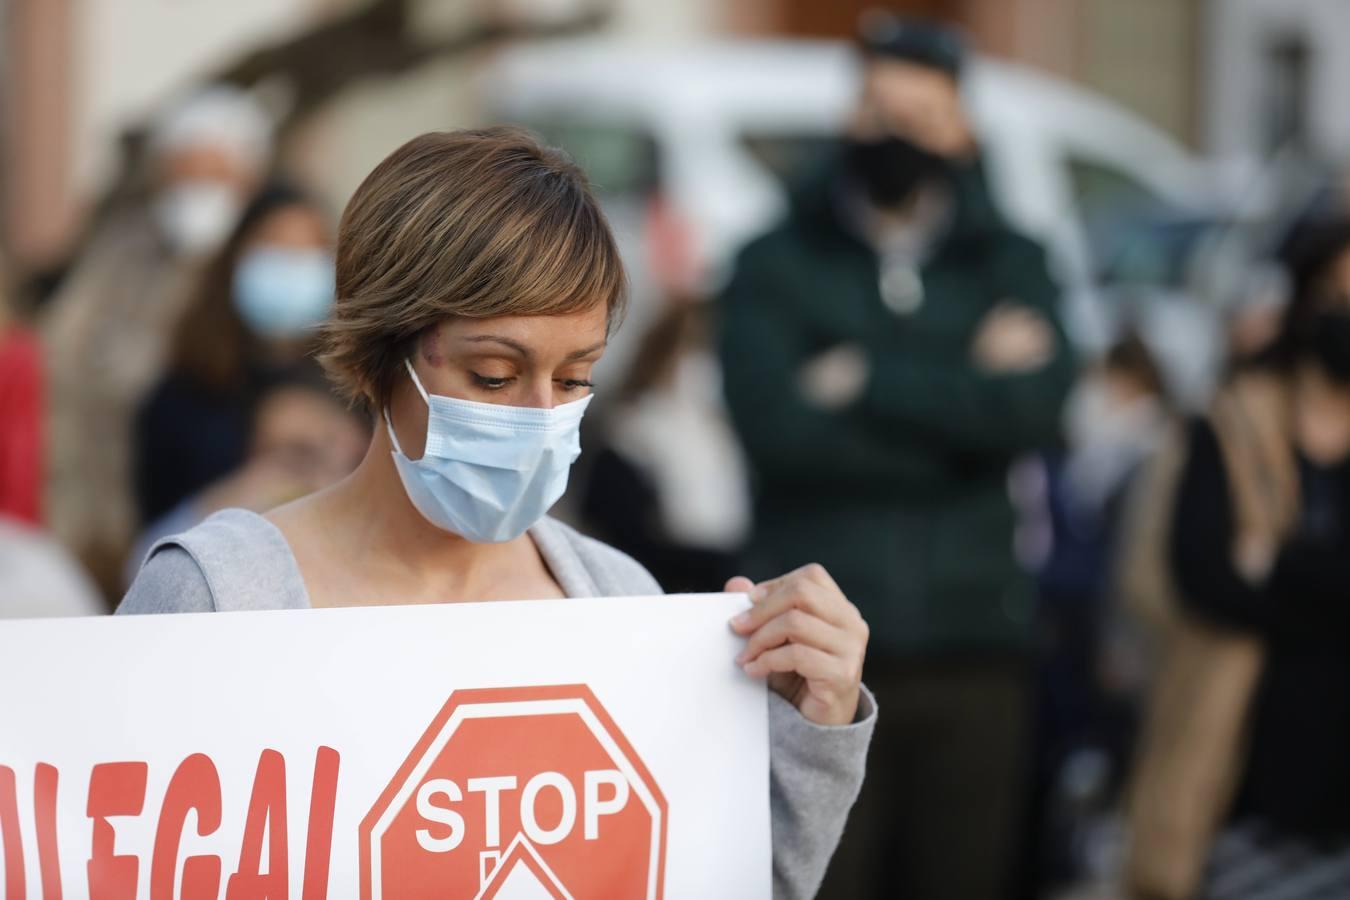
column 417, row 382
column 388, row 423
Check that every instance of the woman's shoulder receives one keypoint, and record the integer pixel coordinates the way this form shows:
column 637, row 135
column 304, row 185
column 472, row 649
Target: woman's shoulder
column 234, row 560
column 586, row 566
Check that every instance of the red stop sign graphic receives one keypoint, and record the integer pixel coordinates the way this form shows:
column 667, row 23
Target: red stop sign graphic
column 528, row 792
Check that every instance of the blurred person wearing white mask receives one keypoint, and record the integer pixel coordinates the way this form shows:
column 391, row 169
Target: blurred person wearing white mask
column 254, row 315
column 108, row 328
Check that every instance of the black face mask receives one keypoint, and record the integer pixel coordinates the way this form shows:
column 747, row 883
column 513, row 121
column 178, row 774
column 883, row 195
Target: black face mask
column 1329, row 342
column 890, row 169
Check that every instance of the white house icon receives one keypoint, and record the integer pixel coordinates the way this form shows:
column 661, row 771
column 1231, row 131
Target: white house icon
column 521, row 874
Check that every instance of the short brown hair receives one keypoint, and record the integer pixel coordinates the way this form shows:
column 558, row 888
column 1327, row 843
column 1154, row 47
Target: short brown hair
column 473, row 223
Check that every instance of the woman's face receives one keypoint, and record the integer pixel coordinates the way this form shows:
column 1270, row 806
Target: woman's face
column 534, row 361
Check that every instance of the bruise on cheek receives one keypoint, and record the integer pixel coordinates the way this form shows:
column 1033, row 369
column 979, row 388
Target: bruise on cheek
column 431, row 348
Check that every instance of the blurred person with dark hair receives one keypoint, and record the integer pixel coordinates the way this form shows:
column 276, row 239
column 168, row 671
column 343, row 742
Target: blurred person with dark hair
column 889, row 350
column 1114, row 420
column 301, row 437
column 1261, row 548
column 21, row 412
column 1092, row 669
column 1252, row 323
column 108, row 328
column 256, row 309
column 669, row 484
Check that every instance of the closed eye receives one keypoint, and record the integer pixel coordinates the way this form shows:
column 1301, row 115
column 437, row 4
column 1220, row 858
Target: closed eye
column 575, row 384
column 488, row 382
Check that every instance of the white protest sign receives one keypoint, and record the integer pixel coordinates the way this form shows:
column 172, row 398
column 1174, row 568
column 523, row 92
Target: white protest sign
column 581, row 749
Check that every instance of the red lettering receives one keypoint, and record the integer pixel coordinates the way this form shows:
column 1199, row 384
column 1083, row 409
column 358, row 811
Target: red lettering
column 195, row 786
column 15, row 886
column 44, row 811
column 115, row 789
column 319, row 843
column 266, row 812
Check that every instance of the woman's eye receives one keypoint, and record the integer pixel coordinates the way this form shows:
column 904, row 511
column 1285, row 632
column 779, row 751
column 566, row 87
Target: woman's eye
column 576, row 384
column 489, row 382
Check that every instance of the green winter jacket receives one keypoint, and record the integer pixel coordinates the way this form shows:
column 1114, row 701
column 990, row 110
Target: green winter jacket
column 904, row 496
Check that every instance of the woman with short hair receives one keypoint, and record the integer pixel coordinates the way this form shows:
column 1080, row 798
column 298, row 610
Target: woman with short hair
column 477, row 284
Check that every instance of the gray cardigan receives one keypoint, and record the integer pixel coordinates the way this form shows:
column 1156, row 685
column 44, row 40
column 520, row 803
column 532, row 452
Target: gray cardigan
column 238, row 560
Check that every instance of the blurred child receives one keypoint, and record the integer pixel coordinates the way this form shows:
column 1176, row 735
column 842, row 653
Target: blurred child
column 301, row 439
column 1116, row 418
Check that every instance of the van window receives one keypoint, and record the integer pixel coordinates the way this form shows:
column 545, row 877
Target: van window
column 1104, row 191
column 1130, row 232
column 785, row 155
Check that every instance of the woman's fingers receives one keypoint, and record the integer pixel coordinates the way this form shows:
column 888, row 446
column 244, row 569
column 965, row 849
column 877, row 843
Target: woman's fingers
column 812, row 572
column 810, row 663
column 810, row 589
column 797, row 627
column 739, row 585
column 804, row 634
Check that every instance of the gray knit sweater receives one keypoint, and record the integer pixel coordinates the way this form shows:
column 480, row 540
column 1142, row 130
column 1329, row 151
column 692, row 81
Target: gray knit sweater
column 238, row 560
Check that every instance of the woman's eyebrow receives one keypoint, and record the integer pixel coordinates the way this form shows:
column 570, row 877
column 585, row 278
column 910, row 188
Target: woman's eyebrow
column 581, row 354
column 499, row 339
column 525, row 351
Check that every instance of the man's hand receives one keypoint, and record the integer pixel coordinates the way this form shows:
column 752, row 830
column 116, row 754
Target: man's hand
column 808, row 639
column 1013, row 339
column 836, row 378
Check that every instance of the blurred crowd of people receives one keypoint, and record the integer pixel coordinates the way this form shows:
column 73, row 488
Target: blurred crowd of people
column 169, row 372
column 1106, row 627
column 1109, row 635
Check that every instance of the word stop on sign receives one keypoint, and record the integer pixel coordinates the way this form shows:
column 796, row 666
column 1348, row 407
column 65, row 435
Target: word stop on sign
column 518, row 793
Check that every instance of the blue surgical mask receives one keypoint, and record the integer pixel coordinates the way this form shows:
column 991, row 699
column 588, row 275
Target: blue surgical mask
column 282, row 292
column 489, row 471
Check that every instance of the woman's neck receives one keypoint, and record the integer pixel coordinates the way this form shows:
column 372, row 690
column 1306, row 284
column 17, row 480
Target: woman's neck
column 375, row 526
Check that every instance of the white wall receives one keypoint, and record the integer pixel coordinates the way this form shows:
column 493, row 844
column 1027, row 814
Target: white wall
column 358, row 128
column 130, row 55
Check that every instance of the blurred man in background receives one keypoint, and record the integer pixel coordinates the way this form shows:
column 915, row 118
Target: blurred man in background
column 889, row 349
column 107, row 330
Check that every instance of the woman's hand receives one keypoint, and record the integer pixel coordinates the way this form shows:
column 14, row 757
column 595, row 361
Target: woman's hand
column 804, row 634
